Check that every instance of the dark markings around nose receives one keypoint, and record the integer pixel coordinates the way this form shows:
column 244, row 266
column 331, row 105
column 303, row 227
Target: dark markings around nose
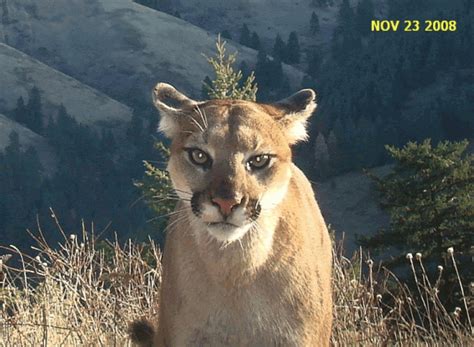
column 195, row 204
column 254, row 209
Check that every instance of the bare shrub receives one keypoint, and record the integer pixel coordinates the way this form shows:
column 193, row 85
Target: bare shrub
column 374, row 307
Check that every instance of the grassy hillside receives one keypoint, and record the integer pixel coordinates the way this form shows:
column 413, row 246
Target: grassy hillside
column 21, row 73
column 118, row 47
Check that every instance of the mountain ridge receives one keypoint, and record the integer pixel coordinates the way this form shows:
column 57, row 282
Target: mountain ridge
column 88, row 106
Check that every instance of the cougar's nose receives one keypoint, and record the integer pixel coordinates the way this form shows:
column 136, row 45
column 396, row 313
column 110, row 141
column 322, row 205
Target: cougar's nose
column 226, row 205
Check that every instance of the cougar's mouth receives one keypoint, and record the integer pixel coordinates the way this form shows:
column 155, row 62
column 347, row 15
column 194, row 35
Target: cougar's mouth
column 222, row 225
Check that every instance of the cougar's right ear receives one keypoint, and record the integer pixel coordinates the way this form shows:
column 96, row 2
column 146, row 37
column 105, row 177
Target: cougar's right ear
column 172, row 105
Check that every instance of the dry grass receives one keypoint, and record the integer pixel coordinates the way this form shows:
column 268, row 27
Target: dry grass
column 85, row 293
column 82, row 293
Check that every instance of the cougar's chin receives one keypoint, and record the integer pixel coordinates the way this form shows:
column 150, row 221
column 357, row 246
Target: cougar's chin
column 227, row 232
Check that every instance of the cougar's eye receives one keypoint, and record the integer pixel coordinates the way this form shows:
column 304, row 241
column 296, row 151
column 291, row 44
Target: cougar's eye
column 198, row 157
column 258, row 162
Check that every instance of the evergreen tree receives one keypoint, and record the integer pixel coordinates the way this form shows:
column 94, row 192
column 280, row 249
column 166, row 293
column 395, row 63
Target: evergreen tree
column 157, row 187
column 366, row 148
column 321, row 156
column 269, row 76
column 34, row 119
column 148, row 3
column 332, row 145
column 226, row 84
column 429, row 198
column 5, row 14
column 285, row 88
column 20, row 189
column 108, row 142
column 160, row 5
column 364, row 15
column 345, row 38
column 292, row 55
column 314, row 63
column 261, row 68
column 12, row 152
column 135, row 131
column 20, row 113
column 255, row 41
column 279, row 48
column 314, row 23
column 165, row 6
column 245, row 38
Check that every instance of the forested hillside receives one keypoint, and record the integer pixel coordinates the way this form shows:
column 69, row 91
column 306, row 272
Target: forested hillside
column 378, row 88
column 79, row 74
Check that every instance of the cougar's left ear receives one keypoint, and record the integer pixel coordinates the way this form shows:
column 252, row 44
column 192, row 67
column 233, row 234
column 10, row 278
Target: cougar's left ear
column 294, row 113
column 172, row 105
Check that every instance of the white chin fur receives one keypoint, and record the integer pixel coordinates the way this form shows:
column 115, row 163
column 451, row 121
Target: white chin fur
column 228, row 233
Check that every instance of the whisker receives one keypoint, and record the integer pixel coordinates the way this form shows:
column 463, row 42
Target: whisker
column 182, row 191
column 241, row 246
column 258, row 228
column 179, row 219
column 167, row 195
column 203, row 116
column 142, row 197
column 196, row 123
column 171, row 198
column 169, row 214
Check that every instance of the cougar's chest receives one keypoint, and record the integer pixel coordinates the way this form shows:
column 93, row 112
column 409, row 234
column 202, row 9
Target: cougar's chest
column 250, row 317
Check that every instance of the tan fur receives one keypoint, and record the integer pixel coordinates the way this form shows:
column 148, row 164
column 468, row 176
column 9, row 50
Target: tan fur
column 271, row 284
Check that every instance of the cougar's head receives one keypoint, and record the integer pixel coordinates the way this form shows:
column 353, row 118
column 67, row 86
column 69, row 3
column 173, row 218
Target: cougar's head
column 230, row 160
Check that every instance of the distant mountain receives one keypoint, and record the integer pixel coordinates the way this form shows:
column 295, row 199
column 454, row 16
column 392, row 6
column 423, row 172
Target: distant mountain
column 118, row 47
column 20, row 73
column 28, row 138
column 266, row 17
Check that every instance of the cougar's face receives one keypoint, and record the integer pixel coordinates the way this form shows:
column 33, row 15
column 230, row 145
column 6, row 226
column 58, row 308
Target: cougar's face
column 230, row 159
column 231, row 166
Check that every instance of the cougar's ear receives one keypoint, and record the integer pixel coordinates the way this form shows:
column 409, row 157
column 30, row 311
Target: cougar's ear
column 171, row 104
column 294, row 112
